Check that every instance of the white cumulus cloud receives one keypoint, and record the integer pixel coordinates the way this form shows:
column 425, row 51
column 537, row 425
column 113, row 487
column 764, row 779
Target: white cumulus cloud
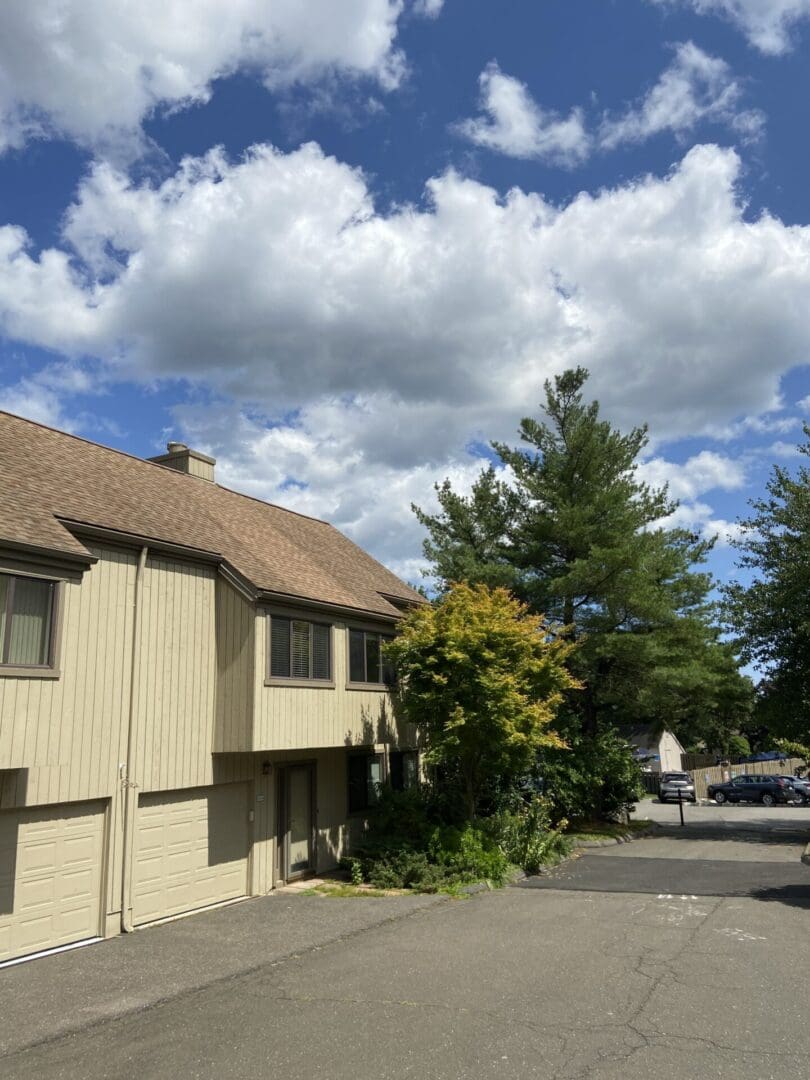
column 92, row 70
column 768, row 24
column 516, row 125
column 701, row 473
column 694, row 89
column 366, row 352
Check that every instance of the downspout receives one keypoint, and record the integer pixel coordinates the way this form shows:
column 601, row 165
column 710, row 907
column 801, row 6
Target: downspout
column 128, row 785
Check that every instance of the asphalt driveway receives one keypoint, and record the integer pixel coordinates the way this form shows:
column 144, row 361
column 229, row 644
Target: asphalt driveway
column 557, row 981
column 729, row 851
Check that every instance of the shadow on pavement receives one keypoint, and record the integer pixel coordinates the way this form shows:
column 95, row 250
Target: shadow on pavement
column 792, row 895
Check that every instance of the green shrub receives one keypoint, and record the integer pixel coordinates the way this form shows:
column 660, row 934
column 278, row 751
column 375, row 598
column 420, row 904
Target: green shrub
column 595, row 779
column 527, row 838
column 430, row 857
column 406, row 870
column 468, row 854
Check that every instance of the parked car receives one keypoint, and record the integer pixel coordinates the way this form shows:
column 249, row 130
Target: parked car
column 801, row 786
column 753, row 788
column 674, row 782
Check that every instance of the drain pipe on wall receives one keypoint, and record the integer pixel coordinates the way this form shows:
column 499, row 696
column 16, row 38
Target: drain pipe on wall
column 128, row 786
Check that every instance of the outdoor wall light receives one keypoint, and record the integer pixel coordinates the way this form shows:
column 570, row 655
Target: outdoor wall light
column 267, row 768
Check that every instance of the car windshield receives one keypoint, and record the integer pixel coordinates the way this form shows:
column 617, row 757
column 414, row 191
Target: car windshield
column 677, row 776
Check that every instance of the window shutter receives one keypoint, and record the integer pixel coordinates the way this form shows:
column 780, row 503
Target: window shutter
column 357, row 656
column 300, row 649
column 280, row 648
column 320, row 652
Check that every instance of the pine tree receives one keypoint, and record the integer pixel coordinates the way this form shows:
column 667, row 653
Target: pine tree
column 577, row 536
column 771, row 615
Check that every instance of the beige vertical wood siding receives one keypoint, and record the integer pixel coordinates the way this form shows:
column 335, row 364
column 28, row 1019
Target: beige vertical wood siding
column 293, row 717
column 175, row 687
column 175, row 675
column 236, row 648
column 65, row 734
column 194, row 680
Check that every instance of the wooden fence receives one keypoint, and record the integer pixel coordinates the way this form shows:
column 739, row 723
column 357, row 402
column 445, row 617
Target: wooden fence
column 717, row 773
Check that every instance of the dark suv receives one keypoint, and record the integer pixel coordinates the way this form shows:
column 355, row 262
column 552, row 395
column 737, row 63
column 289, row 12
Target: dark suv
column 801, row 788
column 763, row 789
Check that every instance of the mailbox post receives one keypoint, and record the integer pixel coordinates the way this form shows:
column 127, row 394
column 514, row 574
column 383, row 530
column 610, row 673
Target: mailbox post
column 680, row 804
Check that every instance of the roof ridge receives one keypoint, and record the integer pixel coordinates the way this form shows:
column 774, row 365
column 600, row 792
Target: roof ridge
column 156, row 464
column 258, row 538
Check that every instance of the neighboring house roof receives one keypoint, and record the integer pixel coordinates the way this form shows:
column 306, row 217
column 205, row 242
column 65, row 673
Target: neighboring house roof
column 645, row 740
column 48, row 477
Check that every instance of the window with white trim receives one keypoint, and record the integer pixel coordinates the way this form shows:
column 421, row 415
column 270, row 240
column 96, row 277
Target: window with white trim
column 366, row 661
column 26, row 621
column 300, row 649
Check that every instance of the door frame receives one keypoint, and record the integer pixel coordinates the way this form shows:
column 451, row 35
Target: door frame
column 283, row 874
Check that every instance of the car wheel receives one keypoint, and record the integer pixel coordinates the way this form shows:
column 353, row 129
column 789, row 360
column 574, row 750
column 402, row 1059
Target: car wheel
column 768, row 800
column 719, row 797
column 661, row 798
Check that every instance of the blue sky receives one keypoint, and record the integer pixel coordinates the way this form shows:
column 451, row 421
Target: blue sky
column 341, row 246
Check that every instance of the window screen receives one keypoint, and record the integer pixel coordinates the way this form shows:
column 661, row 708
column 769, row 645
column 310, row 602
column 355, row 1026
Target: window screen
column 26, row 614
column 366, row 663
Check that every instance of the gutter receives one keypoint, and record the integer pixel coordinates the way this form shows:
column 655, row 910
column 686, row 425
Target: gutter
column 267, row 596
column 128, row 786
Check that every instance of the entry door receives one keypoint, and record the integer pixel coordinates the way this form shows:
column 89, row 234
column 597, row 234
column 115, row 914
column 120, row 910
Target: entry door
column 296, row 839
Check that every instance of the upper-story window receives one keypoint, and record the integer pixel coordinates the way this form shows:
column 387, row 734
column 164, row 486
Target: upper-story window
column 26, row 621
column 300, row 649
column 366, row 661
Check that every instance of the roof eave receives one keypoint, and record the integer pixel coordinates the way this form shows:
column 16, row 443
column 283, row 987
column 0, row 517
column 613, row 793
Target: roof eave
column 270, row 596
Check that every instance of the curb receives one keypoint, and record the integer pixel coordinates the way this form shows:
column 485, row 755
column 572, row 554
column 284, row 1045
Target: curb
column 486, row 886
column 806, row 855
column 611, row 841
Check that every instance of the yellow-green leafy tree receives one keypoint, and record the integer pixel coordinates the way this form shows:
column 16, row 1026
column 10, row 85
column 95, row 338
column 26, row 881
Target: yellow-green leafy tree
column 481, row 678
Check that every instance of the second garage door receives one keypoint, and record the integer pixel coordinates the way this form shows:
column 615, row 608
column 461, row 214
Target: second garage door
column 191, row 850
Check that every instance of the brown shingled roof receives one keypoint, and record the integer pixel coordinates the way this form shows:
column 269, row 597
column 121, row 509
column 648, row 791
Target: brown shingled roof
column 47, row 477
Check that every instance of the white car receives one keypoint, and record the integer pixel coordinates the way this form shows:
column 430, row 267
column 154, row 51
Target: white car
column 674, row 782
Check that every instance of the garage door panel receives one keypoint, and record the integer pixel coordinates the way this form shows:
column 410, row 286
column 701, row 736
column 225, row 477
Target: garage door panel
column 51, row 879
column 191, row 850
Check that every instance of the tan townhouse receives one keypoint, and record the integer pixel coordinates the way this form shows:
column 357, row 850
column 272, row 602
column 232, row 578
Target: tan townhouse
column 193, row 700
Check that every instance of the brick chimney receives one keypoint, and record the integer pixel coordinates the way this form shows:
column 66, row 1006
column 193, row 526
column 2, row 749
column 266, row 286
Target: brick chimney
column 181, row 457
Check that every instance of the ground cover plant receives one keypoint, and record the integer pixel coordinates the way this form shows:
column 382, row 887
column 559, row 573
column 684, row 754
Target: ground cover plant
column 408, row 845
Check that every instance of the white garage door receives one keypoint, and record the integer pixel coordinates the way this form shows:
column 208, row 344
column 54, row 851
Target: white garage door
column 191, row 850
column 50, row 876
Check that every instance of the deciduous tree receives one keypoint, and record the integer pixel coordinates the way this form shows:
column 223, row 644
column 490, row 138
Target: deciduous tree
column 481, row 678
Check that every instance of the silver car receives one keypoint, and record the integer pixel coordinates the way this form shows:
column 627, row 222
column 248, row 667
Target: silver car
column 674, row 782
